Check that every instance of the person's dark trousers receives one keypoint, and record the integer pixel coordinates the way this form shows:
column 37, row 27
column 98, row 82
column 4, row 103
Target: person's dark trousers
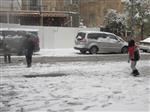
column 7, row 58
column 29, row 60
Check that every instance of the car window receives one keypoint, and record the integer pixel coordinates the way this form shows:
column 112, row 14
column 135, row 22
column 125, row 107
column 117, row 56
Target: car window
column 112, row 37
column 103, row 36
column 120, row 39
column 21, row 33
column 9, row 33
column 96, row 36
column 80, row 36
column 92, row 36
column 33, row 32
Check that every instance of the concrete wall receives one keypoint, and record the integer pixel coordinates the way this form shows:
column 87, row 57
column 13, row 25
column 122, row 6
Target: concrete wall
column 53, row 37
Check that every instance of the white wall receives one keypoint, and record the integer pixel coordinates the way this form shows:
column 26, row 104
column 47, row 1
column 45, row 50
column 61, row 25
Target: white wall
column 53, row 37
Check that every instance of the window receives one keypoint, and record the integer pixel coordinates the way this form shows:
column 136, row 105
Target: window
column 96, row 36
column 9, row 33
column 80, row 36
column 34, row 4
column 93, row 36
column 103, row 36
column 112, row 37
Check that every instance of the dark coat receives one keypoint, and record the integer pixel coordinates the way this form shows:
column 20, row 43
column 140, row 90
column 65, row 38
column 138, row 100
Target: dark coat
column 7, row 49
column 29, row 46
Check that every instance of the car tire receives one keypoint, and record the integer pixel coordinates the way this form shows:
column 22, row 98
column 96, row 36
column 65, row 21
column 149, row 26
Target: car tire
column 93, row 50
column 124, row 50
column 82, row 51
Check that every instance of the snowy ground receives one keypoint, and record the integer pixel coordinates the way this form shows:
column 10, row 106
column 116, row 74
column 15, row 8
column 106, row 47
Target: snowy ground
column 74, row 87
column 58, row 52
column 66, row 52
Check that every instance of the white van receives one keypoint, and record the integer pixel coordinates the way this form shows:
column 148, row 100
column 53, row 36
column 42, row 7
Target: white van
column 99, row 42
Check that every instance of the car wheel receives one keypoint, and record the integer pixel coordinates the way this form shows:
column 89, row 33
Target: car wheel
column 83, row 51
column 124, row 50
column 144, row 50
column 93, row 50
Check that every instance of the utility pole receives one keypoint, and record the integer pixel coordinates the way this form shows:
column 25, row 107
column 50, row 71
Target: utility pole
column 10, row 9
column 12, row 5
column 41, row 14
column 7, row 17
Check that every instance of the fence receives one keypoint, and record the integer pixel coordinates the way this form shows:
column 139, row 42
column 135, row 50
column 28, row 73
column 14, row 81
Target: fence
column 53, row 37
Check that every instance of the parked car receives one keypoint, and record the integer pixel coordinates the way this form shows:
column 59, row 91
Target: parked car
column 145, row 45
column 15, row 39
column 99, row 42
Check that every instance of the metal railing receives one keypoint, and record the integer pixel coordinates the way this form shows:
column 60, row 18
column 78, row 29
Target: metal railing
column 50, row 8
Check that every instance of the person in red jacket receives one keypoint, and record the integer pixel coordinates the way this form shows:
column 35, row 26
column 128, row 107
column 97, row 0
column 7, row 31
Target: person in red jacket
column 134, row 56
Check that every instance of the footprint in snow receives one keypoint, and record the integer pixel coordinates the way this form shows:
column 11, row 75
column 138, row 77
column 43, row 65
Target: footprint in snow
column 105, row 105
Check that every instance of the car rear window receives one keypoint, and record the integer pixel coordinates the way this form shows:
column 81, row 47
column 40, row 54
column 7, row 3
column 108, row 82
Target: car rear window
column 80, row 36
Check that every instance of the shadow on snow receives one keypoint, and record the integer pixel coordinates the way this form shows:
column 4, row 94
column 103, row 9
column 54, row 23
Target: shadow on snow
column 45, row 75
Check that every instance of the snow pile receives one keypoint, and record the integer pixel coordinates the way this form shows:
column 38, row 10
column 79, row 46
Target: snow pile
column 74, row 87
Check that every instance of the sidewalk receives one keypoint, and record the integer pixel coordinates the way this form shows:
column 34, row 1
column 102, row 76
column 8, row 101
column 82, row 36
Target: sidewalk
column 70, row 53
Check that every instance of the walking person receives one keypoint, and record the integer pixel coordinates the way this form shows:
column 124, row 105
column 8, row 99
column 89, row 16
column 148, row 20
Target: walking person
column 134, row 56
column 29, row 48
column 7, row 53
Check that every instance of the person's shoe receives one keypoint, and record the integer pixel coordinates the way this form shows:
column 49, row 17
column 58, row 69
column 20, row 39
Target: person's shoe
column 28, row 66
column 136, row 73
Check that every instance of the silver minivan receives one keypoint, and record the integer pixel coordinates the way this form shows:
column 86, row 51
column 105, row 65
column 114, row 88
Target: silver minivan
column 99, row 42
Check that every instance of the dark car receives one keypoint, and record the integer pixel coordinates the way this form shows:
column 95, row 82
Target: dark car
column 15, row 38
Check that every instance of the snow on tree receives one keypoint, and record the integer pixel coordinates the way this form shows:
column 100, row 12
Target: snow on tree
column 115, row 22
column 137, row 12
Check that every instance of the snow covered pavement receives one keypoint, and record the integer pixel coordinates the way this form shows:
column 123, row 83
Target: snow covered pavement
column 74, row 87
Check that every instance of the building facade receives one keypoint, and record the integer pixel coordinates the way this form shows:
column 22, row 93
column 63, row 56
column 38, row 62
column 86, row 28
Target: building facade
column 43, row 12
column 57, row 12
column 8, row 11
column 93, row 11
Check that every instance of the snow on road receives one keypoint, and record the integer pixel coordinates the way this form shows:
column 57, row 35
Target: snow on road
column 58, row 52
column 73, row 87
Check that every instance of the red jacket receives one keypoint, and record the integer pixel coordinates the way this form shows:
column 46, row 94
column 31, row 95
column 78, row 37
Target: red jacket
column 131, row 52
